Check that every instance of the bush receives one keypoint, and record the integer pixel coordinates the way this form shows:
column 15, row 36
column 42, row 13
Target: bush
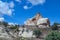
column 14, row 27
column 37, row 33
column 54, row 26
column 53, row 36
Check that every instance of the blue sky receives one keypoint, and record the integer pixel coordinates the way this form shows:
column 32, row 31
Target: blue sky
column 18, row 11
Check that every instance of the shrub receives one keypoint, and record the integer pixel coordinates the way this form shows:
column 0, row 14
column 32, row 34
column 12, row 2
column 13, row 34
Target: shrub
column 53, row 36
column 37, row 33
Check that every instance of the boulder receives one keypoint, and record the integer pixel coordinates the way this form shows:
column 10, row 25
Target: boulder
column 38, row 20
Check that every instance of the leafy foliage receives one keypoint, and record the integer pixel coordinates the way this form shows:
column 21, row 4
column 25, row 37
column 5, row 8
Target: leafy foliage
column 13, row 27
column 37, row 33
column 5, row 23
column 54, row 26
column 53, row 36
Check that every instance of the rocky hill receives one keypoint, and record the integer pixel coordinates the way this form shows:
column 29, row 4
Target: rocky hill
column 38, row 20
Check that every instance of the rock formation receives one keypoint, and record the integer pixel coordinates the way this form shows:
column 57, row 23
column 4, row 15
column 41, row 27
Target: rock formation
column 3, row 34
column 38, row 20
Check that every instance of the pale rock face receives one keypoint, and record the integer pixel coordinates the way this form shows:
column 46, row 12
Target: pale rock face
column 26, row 34
column 38, row 20
column 42, row 20
column 1, row 19
column 29, row 22
column 32, row 21
column 4, row 34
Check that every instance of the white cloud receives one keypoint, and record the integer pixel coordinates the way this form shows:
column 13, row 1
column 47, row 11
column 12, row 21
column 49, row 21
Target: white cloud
column 10, row 12
column 11, row 4
column 6, row 8
column 36, row 2
column 18, row 1
column 25, row 7
column 1, row 19
column 10, row 23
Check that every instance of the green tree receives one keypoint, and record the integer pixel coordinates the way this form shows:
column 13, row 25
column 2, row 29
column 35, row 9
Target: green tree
column 53, row 36
column 54, row 26
column 5, row 23
column 13, row 27
column 37, row 33
column 0, row 23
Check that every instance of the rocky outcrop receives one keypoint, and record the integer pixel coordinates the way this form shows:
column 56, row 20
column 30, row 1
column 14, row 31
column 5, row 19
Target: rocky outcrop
column 3, row 34
column 25, row 32
column 38, row 20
